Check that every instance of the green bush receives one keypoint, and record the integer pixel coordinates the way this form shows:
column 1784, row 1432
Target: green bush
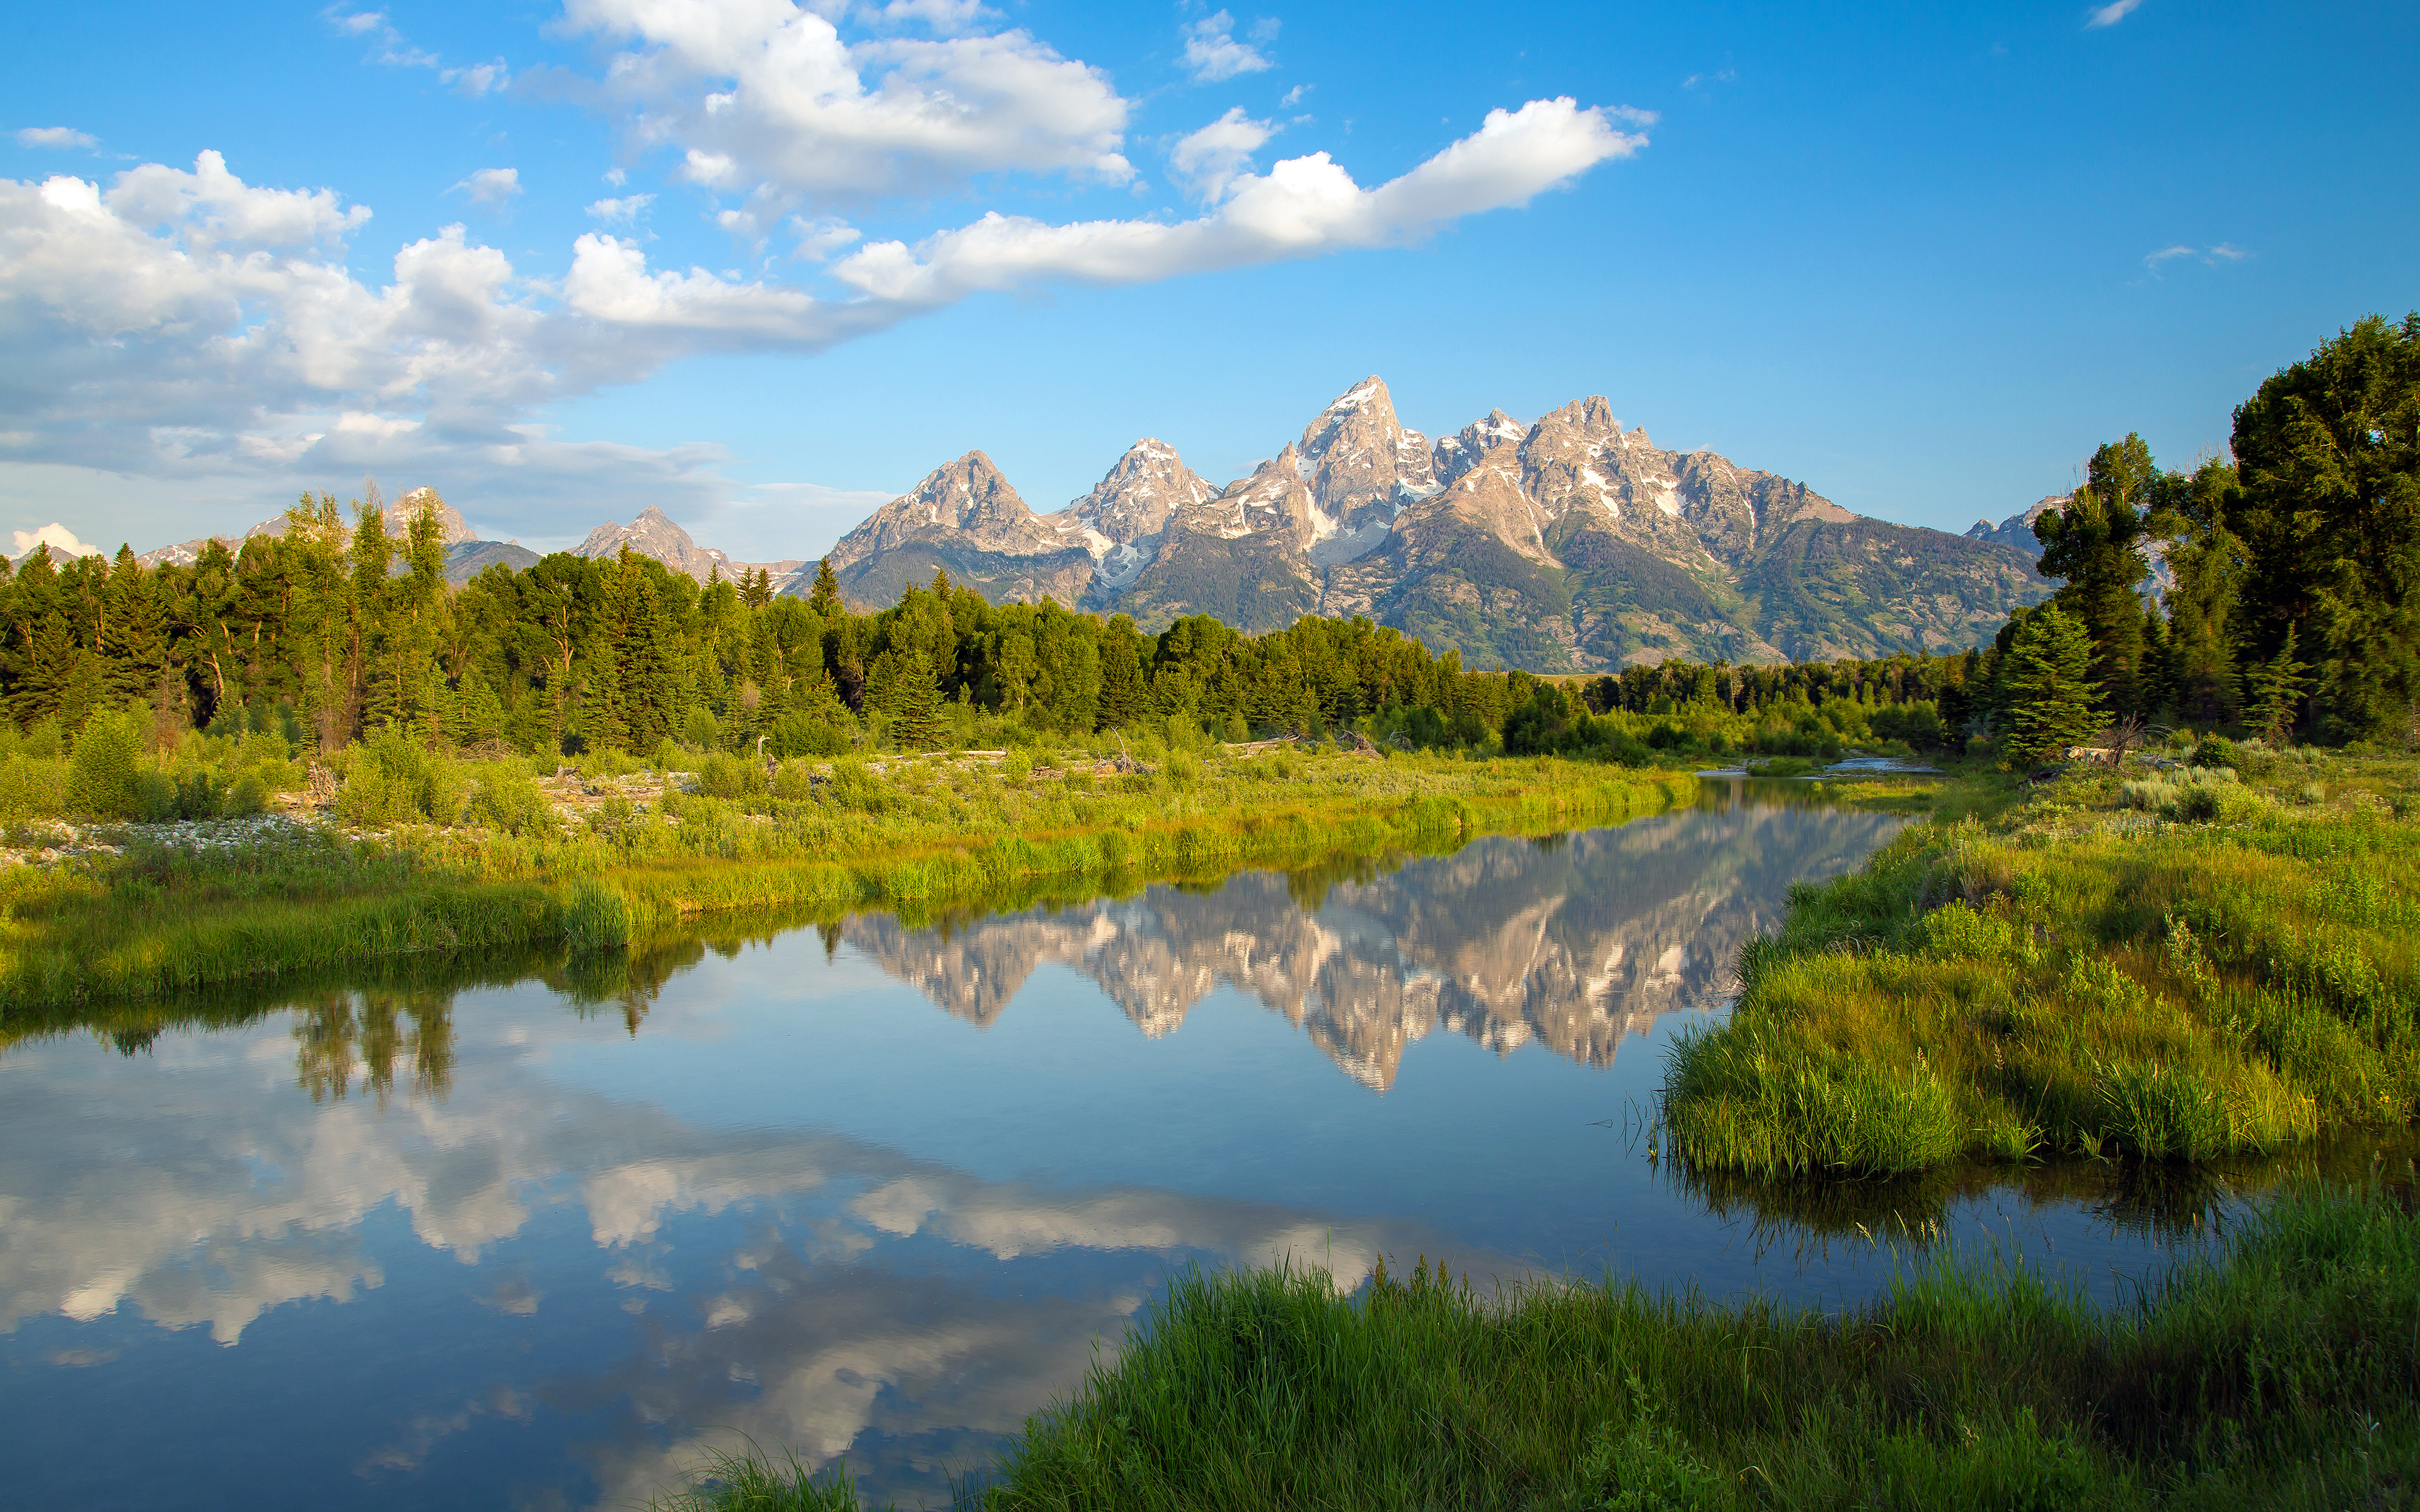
column 104, row 773
column 2217, row 750
column 735, row 778
column 394, row 780
column 510, row 799
column 32, row 788
column 799, row 733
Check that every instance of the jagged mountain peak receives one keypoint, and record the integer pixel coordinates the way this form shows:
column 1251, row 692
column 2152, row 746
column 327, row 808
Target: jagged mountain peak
column 1121, row 520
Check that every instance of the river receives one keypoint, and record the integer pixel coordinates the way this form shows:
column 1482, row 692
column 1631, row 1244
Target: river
column 517, row 1238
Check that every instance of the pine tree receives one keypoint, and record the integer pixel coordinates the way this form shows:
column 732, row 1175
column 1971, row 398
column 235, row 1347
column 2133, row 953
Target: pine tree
column 1124, row 698
column 915, row 703
column 2049, row 688
column 825, row 599
column 2270, row 691
column 2095, row 544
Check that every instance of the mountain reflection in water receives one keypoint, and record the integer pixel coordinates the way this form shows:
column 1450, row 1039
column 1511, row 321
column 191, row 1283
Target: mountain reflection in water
column 518, row 1236
column 1570, row 940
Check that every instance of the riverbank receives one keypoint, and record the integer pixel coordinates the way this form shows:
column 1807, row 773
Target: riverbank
column 2266, row 1374
column 157, row 920
column 2167, row 961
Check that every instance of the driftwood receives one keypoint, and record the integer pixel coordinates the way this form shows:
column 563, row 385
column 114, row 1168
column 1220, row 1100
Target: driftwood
column 320, row 786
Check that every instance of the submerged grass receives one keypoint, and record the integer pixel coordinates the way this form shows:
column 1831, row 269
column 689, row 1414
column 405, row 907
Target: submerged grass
column 166, row 920
column 2276, row 1370
column 2234, row 969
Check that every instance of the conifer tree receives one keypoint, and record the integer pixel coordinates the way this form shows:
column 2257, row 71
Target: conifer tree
column 825, row 599
column 2095, row 544
column 2049, row 688
column 2270, row 691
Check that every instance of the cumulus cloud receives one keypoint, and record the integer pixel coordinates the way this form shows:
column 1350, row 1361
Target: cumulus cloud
column 2114, row 12
column 55, row 136
column 764, row 99
column 1302, row 208
column 187, row 324
column 1212, row 53
column 191, row 325
column 61, row 541
column 1211, row 159
column 620, row 212
column 493, row 187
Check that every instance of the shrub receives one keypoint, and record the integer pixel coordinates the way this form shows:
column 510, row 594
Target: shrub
column 798, row 733
column 103, row 774
column 510, row 799
column 2217, row 750
column 732, row 777
column 394, row 781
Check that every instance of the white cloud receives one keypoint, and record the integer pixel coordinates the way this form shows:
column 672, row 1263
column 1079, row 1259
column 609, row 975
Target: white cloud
column 620, row 212
column 1210, row 160
column 762, row 98
column 55, row 136
column 62, row 542
column 493, row 187
column 477, row 80
column 1302, row 208
column 819, row 238
column 1212, row 53
column 2223, row 253
column 2114, row 12
column 188, row 325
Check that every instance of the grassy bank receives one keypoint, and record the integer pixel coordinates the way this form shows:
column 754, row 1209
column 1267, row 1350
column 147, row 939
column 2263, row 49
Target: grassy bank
column 915, row 836
column 2165, row 961
column 2279, row 1371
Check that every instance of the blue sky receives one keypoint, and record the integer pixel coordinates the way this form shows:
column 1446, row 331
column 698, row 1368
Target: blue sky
column 766, row 266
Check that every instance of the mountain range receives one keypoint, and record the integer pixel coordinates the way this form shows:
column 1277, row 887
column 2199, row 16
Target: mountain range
column 1569, row 544
column 1566, row 544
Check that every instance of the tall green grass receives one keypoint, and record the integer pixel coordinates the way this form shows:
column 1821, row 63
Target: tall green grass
column 166, row 920
column 2078, row 975
column 2278, row 1370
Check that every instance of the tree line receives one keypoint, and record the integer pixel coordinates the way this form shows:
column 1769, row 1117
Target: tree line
column 2296, row 586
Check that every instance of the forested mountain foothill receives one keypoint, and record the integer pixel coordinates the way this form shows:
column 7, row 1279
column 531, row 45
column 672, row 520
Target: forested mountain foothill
column 2295, row 612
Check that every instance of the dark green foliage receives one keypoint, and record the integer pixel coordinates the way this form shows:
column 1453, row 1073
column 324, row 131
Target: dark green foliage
column 2329, row 456
column 2096, row 543
column 2049, row 688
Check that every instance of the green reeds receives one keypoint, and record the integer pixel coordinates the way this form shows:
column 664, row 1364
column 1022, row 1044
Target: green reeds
column 2276, row 1370
column 2076, row 977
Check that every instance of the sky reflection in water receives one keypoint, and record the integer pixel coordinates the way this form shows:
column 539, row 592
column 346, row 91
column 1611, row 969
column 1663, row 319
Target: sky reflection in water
column 515, row 1246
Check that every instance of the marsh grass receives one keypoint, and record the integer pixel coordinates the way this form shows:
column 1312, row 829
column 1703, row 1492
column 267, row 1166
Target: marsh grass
column 2077, row 975
column 163, row 919
column 2276, row 1368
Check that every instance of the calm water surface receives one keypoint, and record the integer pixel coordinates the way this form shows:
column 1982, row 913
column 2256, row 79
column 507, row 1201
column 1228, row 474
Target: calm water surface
column 873, row 1189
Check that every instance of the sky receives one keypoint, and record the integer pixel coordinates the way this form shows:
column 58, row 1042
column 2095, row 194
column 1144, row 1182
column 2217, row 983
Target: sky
column 764, row 266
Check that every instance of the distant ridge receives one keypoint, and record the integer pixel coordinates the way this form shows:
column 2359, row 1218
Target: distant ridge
column 1567, row 544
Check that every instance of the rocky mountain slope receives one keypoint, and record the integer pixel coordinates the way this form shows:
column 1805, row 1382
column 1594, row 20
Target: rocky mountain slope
column 1570, row 544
